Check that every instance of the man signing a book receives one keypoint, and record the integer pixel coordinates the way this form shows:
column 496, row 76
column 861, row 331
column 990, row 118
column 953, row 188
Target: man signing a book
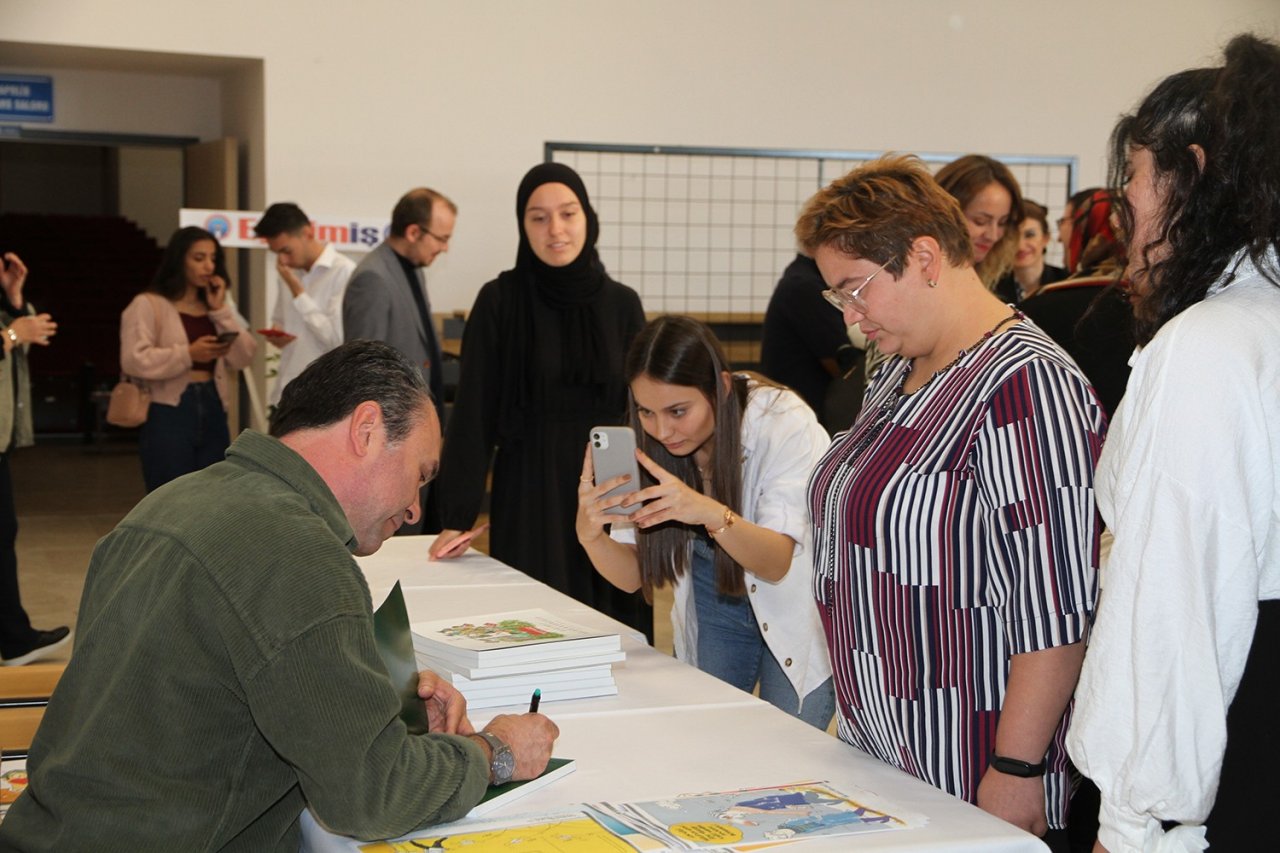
column 225, row 674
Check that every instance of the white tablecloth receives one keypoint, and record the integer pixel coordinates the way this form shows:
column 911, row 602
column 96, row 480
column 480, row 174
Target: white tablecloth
column 671, row 729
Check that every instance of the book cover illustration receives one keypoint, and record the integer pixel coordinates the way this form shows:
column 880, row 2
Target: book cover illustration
column 503, row 632
column 509, row 638
column 755, row 818
column 13, row 781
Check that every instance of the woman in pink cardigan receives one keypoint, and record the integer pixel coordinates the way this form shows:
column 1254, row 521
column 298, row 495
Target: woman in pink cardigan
column 180, row 336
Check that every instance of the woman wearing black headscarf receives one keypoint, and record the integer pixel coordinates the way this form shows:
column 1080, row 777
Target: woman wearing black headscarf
column 541, row 364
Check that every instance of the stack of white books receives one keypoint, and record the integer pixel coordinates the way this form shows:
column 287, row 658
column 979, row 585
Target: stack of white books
column 501, row 658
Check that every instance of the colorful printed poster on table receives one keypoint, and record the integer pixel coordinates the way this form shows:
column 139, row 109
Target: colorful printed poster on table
column 755, row 818
column 741, row 820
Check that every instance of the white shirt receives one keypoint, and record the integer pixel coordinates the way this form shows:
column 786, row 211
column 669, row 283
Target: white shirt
column 781, row 442
column 314, row 316
column 1189, row 482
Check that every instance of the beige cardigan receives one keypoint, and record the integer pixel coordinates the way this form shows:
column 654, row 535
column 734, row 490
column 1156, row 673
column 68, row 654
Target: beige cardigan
column 153, row 346
column 16, row 427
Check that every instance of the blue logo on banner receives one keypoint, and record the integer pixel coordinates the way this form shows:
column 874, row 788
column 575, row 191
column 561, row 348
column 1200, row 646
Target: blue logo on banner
column 218, row 225
column 26, row 98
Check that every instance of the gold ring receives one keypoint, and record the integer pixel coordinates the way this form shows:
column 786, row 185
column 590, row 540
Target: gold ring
column 584, row 479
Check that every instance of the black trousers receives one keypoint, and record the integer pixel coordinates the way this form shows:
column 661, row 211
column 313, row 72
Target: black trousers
column 1249, row 786
column 15, row 627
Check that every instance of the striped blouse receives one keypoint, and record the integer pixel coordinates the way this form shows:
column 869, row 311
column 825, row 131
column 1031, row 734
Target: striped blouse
column 953, row 528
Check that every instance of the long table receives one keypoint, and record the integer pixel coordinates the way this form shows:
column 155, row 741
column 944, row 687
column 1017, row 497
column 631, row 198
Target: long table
column 671, row 729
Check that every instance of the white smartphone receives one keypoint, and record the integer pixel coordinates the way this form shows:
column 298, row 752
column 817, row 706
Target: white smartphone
column 613, row 453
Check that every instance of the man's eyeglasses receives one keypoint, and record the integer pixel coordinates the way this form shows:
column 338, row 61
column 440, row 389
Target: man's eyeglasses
column 444, row 241
column 842, row 299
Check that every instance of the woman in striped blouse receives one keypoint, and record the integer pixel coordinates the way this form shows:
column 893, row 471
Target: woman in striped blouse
column 955, row 534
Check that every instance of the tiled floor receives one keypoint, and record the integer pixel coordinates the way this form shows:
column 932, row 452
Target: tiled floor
column 69, row 495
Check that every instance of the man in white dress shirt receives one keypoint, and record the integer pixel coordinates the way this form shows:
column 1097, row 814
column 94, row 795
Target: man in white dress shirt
column 313, row 281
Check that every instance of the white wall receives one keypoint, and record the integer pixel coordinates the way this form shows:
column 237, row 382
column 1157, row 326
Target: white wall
column 363, row 101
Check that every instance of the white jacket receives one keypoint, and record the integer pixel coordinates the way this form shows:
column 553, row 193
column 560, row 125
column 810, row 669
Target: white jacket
column 781, row 443
column 1189, row 483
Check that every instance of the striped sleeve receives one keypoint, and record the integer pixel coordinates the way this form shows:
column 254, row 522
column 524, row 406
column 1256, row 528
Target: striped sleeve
column 1034, row 461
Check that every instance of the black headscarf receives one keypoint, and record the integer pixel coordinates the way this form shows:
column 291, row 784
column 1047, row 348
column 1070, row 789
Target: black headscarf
column 571, row 290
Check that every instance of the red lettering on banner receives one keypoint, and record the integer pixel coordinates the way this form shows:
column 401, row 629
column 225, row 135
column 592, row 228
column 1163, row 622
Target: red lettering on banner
column 331, row 233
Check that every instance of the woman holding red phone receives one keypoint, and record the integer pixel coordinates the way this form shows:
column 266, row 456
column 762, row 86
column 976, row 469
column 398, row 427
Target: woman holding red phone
column 725, row 521
column 180, row 336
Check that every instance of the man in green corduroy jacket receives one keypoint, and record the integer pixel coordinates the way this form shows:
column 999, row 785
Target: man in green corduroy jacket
column 225, row 674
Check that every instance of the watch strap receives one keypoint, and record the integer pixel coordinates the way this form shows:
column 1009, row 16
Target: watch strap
column 1016, row 767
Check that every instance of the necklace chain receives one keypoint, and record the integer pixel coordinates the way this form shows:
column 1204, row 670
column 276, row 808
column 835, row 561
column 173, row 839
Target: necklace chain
column 890, row 404
column 1012, row 318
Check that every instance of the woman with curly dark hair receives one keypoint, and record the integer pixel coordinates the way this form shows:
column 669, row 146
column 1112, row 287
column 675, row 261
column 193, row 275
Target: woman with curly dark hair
column 1174, row 715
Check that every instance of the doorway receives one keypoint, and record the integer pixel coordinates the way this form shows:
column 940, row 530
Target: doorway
column 117, row 150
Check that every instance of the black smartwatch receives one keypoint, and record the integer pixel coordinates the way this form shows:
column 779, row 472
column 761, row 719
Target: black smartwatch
column 503, row 764
column 1014, row 767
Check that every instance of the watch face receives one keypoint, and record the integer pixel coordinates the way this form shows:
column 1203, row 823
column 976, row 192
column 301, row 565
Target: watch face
column 504, row 765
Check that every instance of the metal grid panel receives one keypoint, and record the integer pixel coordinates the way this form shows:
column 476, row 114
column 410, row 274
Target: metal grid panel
column 709, row 230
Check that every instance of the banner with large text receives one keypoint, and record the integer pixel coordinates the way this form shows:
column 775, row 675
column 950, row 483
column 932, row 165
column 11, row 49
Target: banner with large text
column 234, row 228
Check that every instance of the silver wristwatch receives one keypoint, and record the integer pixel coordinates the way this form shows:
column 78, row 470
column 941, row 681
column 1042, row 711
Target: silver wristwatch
column 503, row 764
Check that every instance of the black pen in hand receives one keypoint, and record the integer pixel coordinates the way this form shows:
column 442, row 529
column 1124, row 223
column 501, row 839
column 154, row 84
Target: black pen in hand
column 533, row 702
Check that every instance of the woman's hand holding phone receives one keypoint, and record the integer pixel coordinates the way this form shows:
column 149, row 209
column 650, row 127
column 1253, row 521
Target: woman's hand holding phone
column 594, row 503
column 672, row 500
column 215, row 293
column 279, row 337
column 207, row 348
column 453, row 543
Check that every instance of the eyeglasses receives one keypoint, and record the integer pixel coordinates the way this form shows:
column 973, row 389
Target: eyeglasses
column 842, row 299
column 444, row 241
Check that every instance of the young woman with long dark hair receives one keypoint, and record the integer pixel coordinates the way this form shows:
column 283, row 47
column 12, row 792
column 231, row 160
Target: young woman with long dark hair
column 725, row 520
column 176, row 336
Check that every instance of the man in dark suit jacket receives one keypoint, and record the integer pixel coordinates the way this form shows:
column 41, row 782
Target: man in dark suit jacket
column 386, row 298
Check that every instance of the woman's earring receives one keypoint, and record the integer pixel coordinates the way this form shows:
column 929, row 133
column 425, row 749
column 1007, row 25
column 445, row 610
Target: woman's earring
column 932, row 282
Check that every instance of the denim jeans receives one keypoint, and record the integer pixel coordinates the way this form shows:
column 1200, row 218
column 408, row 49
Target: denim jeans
column 731, row 647
column 177, row 440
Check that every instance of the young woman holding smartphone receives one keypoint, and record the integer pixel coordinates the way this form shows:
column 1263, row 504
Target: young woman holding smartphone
column 182, row 336
column 724, row 519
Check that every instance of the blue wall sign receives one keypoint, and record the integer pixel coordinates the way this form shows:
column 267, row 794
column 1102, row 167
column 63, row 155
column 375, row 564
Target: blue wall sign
column 26, row 98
